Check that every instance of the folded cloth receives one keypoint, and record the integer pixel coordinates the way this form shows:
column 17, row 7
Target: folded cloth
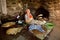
column 37, row 27
column 38, row 22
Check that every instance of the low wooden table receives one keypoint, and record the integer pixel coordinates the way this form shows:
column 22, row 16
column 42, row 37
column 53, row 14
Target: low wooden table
column 41, row 35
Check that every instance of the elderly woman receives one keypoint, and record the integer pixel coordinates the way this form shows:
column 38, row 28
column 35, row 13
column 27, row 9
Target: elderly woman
column 30, row 20
column 28, row 16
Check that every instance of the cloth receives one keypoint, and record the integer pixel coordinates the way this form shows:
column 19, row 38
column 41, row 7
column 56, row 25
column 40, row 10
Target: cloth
column 37, row 27
column 38, row 22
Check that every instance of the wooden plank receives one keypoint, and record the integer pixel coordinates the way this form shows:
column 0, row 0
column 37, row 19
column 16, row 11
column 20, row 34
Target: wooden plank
column 3, row 7
column 0, row 5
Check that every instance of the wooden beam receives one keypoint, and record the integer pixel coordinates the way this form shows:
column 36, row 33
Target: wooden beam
column 3, row 7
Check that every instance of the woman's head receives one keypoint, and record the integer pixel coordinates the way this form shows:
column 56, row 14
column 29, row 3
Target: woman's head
column 27, row 11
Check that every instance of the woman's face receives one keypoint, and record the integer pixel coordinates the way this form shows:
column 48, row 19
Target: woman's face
column 27, row 11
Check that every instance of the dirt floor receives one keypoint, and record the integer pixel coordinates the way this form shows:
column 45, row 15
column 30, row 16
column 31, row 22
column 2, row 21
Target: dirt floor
column 26, row 35
column 55, row 34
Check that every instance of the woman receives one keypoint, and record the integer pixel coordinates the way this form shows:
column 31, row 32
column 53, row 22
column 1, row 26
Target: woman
column 28, row 16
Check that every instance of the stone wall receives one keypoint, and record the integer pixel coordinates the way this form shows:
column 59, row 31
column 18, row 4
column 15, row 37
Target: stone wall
column 54, row 8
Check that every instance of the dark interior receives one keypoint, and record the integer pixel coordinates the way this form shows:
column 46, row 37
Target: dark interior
column 43, row 11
